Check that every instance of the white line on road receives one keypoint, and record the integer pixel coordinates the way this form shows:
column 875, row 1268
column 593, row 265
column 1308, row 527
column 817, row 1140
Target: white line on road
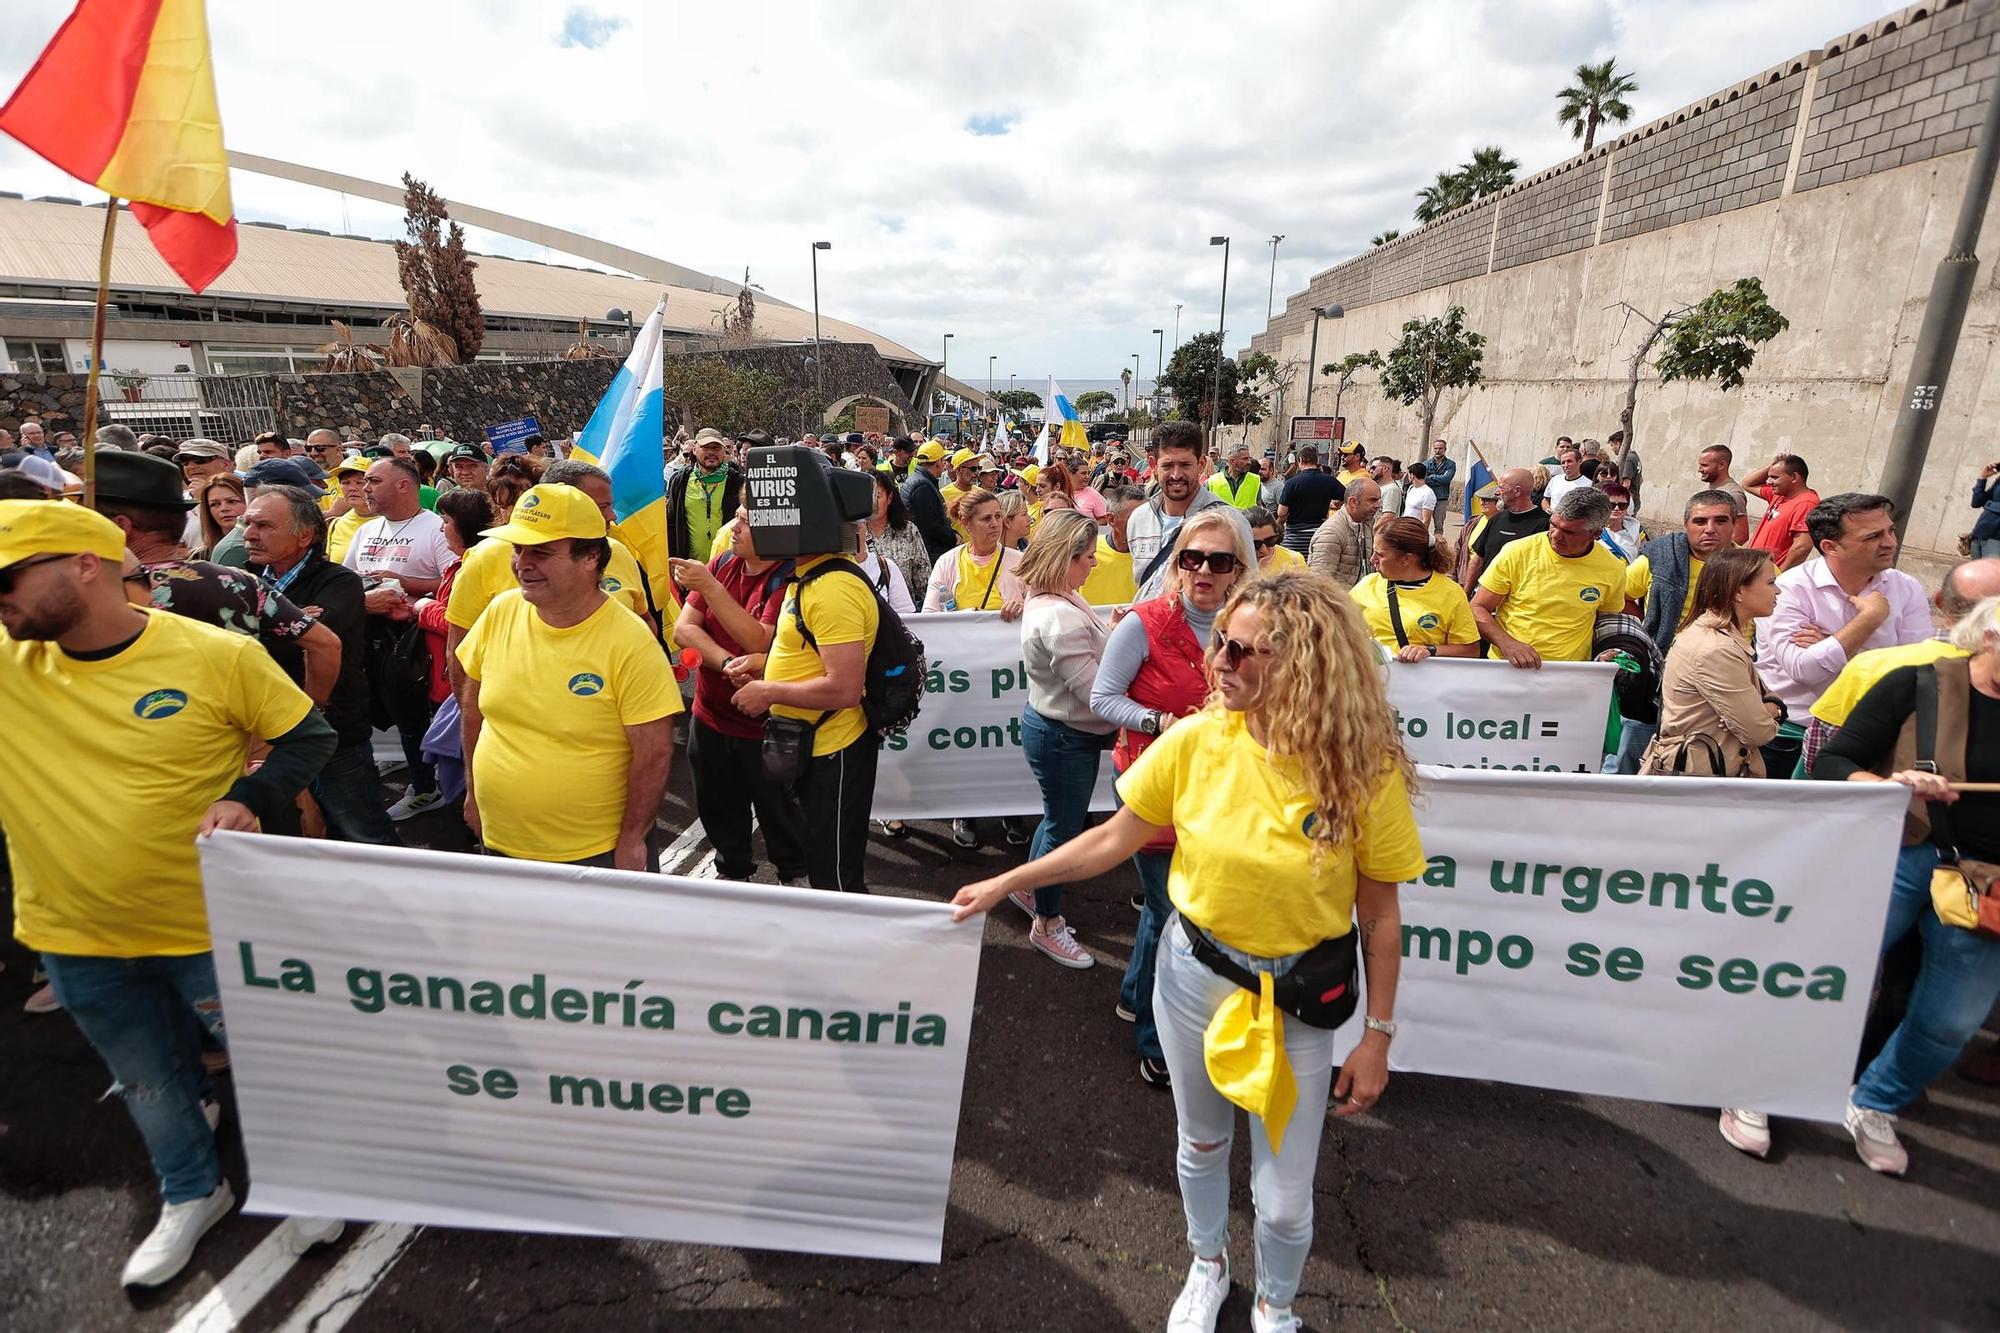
column 229, row 1300
column 338, row 1295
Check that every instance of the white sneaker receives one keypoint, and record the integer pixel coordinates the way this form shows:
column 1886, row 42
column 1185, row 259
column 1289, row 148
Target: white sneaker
column 1052, row 936
column 1746, row 1130
column 165, row 1252
column 1277, row 1319
column 1201, row 1297
column 415, row 803
column 1875, row 1139
column 302, row 1233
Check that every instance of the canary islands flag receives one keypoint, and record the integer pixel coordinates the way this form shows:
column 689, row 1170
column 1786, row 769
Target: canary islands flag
column 626, row 437
column 124, row 98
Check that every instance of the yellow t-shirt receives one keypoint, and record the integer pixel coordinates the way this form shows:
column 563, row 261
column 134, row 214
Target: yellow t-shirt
column 488, row 570
column 1349, row 475
column 555, row 704
column 1553, row 601
column 1438, row 612
column 950, row 491
column 840, row 609
column 1243, row 867
column 980, row 587
column 1864, row 669
column 340, row 534
column 1639, row 582
column 1110, row 582
column 1282, row 559
column 113, row 765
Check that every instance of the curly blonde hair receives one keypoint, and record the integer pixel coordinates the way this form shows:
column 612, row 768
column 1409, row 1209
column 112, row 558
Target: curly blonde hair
column 1324, row 704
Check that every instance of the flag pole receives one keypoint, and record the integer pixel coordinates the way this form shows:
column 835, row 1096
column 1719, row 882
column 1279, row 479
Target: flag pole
column 97, row 355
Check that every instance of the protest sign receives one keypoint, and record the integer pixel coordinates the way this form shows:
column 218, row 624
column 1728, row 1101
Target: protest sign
column 871, row 420
column 1473, row 713
column 1708, row 941
column 511, row 437
column 471, row 1041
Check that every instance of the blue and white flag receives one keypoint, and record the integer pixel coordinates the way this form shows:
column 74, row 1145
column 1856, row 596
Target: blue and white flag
column 626, row 437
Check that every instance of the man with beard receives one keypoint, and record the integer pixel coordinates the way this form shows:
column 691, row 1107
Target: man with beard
column 1150, row 531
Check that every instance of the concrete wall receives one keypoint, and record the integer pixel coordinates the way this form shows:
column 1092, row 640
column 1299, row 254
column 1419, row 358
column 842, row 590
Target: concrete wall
column 1835, row 177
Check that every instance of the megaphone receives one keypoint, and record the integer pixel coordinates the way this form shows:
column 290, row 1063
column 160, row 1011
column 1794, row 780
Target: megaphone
column 798, row 503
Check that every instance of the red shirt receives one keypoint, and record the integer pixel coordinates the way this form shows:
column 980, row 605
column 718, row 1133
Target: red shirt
column 1782, row 522
column 763, row 596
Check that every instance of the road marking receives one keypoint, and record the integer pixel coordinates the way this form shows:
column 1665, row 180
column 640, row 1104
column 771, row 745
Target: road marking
column 229, row 1300
column 338, row 1295
column 678, row 849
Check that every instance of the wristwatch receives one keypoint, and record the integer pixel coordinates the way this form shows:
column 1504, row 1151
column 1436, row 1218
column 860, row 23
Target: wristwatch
column 1151, row 726
column 1385, row 1026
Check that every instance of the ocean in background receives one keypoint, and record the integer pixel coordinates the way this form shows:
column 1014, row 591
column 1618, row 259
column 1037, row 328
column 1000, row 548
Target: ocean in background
column 1074, row 388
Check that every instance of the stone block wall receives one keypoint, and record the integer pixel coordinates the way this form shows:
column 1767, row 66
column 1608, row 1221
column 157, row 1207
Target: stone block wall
column 1552, row 213
column 57, row 401
column 1730, row 152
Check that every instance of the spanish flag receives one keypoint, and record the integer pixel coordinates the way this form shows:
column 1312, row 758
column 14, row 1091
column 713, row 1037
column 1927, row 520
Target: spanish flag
column 124, row 97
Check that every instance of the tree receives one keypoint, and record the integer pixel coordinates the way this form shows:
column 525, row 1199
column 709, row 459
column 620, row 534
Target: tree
column 1262, row 374
column 436, row 274
column 1489, row 172
column 1343, row 371
column 417, row 342
column 1434, row 355
column 1019, row 400
column 1384, row 237
column 1449, row 191
column 1597, row 96
column 708, row 391
column 1190, row 377
column 1093, row 401
column 345, row 354
column 1125, row 379
column 1713, row 339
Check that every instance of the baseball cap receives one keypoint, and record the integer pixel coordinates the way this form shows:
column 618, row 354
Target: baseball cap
column 140, row 479
column 930, row 452
column 549, row 513
column 962, row 457
column 1032, row 474
column 710, row 435
column 201, row 449
column 471, row 451
column 43, row 473
column 353, row 464
column 282, row 472
column 29, row 528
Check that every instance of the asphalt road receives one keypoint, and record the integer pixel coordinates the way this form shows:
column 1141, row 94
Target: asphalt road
column 1456, row 1205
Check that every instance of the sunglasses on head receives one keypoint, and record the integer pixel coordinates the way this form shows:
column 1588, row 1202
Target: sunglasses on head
column 1233, row 651
column 10, row 575
column 1218, row 562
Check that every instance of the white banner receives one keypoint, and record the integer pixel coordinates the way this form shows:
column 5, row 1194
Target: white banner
column 1694, row 940
column 962, row 756
column 466, row 1041
column 1463, row 712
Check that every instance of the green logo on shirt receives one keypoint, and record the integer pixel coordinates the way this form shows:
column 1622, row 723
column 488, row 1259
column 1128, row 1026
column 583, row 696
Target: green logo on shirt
column 585, row 683
column 1590, row 594
column 159, row 704
column 610, row 584
column 1428, row 620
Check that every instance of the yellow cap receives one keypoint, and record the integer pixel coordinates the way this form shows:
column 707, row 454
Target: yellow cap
column 962, row 457
column 30, row 528
column 930, row 452
column 355, row 465
column 1032, row 474
column 549, row 513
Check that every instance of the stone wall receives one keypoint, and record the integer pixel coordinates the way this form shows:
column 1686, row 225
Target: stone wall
column 57, row 401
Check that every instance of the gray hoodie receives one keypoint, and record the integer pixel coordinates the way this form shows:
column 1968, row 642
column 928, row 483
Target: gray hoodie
column 1149, row 530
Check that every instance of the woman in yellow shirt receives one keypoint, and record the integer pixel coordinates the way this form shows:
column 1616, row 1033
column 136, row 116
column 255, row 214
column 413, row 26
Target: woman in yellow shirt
column 1434, row 613
column 1289, row 797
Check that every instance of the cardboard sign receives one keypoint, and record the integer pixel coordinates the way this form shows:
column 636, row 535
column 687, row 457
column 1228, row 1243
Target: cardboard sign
column 871, row 420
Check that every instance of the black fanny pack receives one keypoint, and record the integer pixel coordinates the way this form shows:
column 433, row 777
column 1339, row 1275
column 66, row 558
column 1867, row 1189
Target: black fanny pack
column 1319, row 991
column 788, row 744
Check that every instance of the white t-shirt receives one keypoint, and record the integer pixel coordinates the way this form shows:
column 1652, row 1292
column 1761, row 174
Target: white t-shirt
column 1419, row 502
column 1560, row 486
column 413, row 547
column 897, row 594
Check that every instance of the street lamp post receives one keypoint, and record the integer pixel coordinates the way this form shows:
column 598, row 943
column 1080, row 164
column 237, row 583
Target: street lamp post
column 1272, row 290
column 819, row 356
column 1221, row 319
column 1159, row 367
column 1177, row 326
column 1133, row 388
column 989, row 387
column 944, row 373
column 1312, row 357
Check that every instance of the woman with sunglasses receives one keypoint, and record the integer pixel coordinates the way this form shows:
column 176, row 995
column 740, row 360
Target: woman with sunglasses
column 1289, row 794
column 1623, row 531
column 1150, row 678
column 1411, row 604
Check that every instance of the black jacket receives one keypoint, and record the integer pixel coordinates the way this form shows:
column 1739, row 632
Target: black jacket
column 678, row 544
column 336, row 590
column 925, row 502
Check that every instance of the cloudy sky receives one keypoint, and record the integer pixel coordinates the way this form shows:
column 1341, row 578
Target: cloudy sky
column 1039, row 179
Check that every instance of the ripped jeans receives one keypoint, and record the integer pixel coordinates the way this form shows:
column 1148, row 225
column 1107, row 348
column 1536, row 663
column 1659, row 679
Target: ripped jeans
column 146, row 1016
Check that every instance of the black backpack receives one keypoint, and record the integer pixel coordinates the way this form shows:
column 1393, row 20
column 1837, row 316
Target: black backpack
column 893, row 688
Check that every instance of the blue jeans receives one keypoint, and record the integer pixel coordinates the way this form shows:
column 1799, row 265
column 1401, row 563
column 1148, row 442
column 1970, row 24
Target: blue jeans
column 146, row 1017
column 1137, row 988
column 1956, row 987
column 1633, row 738
column 349, row 791
column 1064, row 761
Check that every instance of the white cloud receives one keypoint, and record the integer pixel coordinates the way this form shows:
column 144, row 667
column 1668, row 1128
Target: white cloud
column 726, row 136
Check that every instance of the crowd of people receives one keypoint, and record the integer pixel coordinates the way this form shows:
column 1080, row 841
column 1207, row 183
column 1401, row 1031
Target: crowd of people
column 215, row 641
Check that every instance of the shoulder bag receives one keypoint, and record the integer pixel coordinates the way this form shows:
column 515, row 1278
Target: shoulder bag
column 1963, row 892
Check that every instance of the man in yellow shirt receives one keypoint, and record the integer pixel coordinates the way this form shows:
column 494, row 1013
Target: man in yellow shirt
column 815, row 674
column 146, row 718
column 1111, row 582
column 1353, row 464
column 1540, row 598
column 566, row 695
column 964, row 477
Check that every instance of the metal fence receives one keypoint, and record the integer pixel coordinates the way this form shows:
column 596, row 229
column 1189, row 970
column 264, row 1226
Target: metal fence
column 233, row 409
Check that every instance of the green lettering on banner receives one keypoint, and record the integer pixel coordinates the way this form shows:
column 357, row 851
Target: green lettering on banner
column 364, row 989
column 294, row 974
column 576, row 1089
column 1741, row 976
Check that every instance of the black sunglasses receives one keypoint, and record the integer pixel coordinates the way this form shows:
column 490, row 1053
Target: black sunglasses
column 1265, row 543
column 1218, row 562
column 1234, row 652
column 12, row 573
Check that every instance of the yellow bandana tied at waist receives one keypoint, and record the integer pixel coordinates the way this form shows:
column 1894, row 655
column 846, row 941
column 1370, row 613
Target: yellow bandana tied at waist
column 1244, row 1049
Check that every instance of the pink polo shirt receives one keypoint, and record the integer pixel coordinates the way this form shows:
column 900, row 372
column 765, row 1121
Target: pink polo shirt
column 1810, row 595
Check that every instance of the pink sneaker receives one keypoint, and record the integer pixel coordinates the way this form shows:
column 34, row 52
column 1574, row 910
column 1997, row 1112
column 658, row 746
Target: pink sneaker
column 1746, row 1130
column 1875, row 1139
column 1053, row 937
column 1024, row 900
column 43, row 1001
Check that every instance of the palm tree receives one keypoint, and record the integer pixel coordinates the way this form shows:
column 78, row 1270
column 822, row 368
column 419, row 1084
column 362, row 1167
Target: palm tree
column 1489, row 172
column 1384, row 237
column 1597, row 96
column 1450, row 190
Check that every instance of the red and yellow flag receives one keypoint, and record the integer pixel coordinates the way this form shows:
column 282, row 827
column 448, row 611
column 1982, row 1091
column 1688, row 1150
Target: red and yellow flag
column 124, row 97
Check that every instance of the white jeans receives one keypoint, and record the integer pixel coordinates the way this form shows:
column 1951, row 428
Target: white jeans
column 1185, row 997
